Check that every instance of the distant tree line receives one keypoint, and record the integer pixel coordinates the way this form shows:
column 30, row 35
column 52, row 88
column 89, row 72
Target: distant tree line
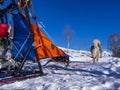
column 114, row 44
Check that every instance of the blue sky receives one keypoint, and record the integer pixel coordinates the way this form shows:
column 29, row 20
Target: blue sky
column 88, row 20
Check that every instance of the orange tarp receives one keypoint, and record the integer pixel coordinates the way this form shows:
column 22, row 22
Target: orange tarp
column 45, row 48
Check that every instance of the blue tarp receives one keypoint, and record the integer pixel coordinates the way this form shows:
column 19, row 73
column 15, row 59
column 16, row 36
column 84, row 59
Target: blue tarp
column 21, row 40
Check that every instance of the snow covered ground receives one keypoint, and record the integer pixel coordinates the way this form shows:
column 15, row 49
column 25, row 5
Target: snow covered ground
column 82, row 74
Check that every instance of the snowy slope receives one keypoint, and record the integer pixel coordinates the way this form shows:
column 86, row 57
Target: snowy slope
column 82, row 74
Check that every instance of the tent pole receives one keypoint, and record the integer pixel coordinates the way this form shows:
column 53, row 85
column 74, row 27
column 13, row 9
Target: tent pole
column 32, row 36
column 40, row 68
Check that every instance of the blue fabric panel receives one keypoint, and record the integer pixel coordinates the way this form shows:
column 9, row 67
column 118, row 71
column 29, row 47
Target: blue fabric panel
column 21, row 41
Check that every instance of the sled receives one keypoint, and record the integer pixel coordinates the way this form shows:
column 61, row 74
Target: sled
column 28, row 43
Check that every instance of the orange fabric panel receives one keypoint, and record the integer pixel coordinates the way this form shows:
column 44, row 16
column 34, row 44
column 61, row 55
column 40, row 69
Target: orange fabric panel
column 45, row 48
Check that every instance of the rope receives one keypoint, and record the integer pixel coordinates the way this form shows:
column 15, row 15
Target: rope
column 41, row 26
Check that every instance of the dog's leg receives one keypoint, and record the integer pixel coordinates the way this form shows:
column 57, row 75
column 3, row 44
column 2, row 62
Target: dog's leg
column 93, row 60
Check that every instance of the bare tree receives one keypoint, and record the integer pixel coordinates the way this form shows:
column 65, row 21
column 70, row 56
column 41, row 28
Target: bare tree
column 114, row 44
column 68, row 35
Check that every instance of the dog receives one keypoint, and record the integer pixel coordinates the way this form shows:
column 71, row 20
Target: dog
column 96, row 51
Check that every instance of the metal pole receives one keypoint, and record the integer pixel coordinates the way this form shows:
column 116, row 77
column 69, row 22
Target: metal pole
column 32, row 36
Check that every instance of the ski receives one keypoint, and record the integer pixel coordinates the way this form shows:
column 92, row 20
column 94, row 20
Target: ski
column 7, row 77
column 12, row 79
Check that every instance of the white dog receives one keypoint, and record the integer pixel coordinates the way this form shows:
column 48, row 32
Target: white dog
column 96, row 50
